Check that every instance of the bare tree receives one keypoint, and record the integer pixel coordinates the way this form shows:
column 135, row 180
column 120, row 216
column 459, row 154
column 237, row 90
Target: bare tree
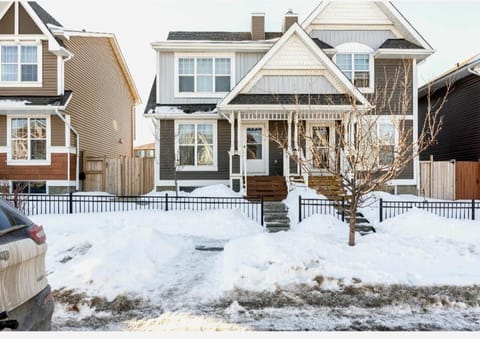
column 374, row 144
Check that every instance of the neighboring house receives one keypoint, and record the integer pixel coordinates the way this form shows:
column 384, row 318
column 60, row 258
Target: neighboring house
column 459, row 138
column 218, row 95
column 64, row 94
column 145, row 151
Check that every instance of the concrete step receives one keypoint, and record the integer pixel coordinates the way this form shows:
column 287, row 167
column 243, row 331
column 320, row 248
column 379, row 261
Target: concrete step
column 275, row 220
column 278, row 229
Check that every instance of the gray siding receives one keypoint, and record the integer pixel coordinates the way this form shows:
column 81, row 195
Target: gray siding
column 408, row 172
column 374, row 39
column 244, row 62
column 166, row 79
column 167, row 154
column 386, row 70
column 166, row 84
column 293, row 84
column 459, row 138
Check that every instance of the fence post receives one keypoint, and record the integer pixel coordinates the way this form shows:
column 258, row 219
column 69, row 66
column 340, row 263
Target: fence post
column 473, row 209
column 299, row 208
column 262, row 211
column 343, row 209
column 166, row 202
column 70, row 202
column 381, row 210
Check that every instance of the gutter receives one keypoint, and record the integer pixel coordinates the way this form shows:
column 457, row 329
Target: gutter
column 77, row 169
column 474, row 72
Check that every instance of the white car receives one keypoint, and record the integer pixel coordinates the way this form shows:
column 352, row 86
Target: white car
column 26, row 301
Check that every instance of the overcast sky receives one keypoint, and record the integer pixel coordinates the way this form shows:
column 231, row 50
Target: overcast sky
column 451, row 27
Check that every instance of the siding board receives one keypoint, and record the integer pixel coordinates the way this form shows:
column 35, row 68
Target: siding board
column 49, row 84
column 57, row 131
column 7, row 24
column 26, row 24
column 167, row 154
column 285, row 84
column 374, row 39
column 386, row 70
column 459, row 138
column 101, row 106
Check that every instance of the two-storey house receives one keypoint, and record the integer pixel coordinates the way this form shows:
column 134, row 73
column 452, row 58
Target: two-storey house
column 63, row 94
column 219, row 96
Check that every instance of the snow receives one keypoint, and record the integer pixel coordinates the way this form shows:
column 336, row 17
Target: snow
column 14, row 103
column 167, row 110
column 97, row 253
column 415, row 249
column 153, row 253
column 212, row 191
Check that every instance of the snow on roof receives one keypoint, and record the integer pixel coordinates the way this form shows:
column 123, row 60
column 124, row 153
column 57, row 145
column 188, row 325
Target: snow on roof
column 14, row 103
column 177, row 110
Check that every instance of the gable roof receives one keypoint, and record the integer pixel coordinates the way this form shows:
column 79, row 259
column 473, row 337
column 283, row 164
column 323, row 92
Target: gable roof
column 389, row 13
column 295, row 29
column 44, row 16
column 399, row 44
column 470, row 66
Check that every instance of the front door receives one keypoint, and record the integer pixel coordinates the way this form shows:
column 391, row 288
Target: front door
column 255, row 141
column 321, row 146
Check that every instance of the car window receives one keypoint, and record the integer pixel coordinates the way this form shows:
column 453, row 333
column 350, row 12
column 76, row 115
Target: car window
column 10, row 217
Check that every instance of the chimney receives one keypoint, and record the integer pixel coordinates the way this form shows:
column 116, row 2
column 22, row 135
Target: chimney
column 258, row 26
column 289, row 19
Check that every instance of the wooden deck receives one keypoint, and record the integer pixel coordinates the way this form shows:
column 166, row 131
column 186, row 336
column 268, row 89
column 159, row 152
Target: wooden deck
column 271, row 188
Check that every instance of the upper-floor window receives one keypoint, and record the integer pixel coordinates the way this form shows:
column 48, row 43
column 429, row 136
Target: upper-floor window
column 356, row 62
column 204, row 75
column 20, row 64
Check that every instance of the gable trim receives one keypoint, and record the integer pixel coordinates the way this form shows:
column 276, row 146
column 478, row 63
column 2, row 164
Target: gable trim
column 52, row 42
column 295, row 28
column 384, row 6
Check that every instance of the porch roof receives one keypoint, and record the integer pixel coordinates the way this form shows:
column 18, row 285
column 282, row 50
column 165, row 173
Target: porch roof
column 293, row 99
column 31, row 102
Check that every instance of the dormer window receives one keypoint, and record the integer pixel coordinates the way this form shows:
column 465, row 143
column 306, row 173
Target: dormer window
column 20, row 64
column 356, row 62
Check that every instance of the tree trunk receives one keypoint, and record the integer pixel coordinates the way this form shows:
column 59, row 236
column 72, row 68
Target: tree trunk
column 353, row 221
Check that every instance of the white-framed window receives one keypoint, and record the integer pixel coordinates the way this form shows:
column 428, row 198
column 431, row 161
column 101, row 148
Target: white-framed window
column 357, row 63
column 196, row 145
column 20, row 64
column 29, row 187
column 387, row 135
column 28, row 140
column 204, row 75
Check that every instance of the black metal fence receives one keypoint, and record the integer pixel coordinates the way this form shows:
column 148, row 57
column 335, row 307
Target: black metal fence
column 448, row 209
column 32, row 204
column 309, row 207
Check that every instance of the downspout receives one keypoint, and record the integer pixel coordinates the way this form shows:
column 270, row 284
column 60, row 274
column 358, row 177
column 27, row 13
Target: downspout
column 77, row 169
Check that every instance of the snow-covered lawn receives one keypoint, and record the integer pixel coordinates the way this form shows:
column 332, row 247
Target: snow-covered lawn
column 153, row 255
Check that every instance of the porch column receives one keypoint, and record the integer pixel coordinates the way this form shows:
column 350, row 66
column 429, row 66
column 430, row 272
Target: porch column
column 295, row 140
column 235, row 165
column 288, row 152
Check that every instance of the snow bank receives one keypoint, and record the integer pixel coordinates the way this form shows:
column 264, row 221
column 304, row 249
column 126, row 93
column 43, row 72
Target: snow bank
column 292, row 200
column 416, row 248
column 114, row 253
column 213, row 191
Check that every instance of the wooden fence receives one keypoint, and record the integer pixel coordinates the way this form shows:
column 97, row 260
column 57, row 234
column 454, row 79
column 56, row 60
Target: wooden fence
column 450, row 180
column 119, row 176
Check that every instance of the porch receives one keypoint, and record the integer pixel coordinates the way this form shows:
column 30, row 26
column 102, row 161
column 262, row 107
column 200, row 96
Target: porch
column 283, row 145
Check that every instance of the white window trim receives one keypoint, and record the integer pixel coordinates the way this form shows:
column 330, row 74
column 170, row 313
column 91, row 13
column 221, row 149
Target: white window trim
column 357, row 48
column 190, row 168
column 396, row 136
column 10, row 160
column 195, row 56
column 39, row 82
